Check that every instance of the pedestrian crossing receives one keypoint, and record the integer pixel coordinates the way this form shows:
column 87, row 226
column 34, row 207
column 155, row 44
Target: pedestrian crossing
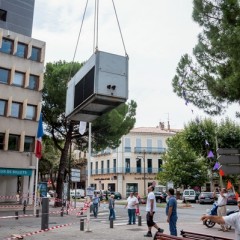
column 119, row 221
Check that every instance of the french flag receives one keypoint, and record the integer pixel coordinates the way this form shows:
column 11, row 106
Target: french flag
column 39, row 138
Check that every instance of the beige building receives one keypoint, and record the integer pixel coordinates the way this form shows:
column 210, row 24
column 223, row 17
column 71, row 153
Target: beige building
column 21, row 82
column 134, row 165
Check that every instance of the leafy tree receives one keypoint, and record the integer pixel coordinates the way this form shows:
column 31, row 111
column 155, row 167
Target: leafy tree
column 210, row 80
column 106, row 130
column 189, row 148
column 182, row 165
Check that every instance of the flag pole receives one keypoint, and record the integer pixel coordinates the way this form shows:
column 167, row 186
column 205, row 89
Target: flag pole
column 36, row 186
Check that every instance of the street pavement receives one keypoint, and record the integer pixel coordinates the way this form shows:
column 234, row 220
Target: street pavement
column 68, row 226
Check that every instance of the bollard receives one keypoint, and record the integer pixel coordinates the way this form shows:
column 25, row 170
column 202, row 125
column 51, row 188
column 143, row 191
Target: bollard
column 111, row 222
column 16, row 214
column 24, row 206
column 37, row 213
column 45, row 213
column 81, row 224
column 62, row 211
column 139, row 220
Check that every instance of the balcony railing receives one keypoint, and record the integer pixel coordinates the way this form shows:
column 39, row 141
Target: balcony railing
column 124, row 170
column 149, row 150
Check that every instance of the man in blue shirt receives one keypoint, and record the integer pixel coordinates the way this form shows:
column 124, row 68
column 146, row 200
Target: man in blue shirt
column 171, row 212
column 96, row 203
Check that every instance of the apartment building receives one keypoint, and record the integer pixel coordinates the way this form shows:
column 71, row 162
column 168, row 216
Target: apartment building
column 134, row 165
column 21, row 82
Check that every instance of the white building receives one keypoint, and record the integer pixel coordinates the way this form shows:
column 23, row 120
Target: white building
column 134, row 165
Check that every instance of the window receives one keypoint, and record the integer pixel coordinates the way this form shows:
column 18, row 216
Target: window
column 21, row 50
column 139, row 165
column 149, row 165
column 7, row 46
column 3, row 15
column 127, row 145
column 18, row 79
column 33, row 82
column 102, row 167
column 1, row 141
column 13, row 142
column 96, row 167
column 29, row 143
column 31, row 112
column 127, row 165
column 3, row 104
column 35, row 56
column 108, row 166
column 16, row 110
column 160, row 162
column 114, row 165
column 4, row 75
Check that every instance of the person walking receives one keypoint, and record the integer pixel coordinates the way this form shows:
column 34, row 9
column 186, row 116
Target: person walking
column 231, row 220
column 171, row 212
column 222, row 210
column 131, row 204
column 111, row 206
column 96, row 204
column 150, row 209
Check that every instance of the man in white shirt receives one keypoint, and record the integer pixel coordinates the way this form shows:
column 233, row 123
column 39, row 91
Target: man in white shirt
column 222, row 210
column 232, row 220
column 132, row 202
column 151, row 209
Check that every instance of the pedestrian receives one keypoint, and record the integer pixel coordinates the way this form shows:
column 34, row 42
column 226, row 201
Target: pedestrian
column 171, row 212
column 96, row 204
column 231, row 220
column 222, row 210
column 151, row 209
column 111, row 206
column 131, row 204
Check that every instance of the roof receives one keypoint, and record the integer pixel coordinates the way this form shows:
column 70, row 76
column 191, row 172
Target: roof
column 154, row 130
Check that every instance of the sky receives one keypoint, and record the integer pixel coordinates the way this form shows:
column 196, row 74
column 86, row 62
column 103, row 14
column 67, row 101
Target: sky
column 156, row 33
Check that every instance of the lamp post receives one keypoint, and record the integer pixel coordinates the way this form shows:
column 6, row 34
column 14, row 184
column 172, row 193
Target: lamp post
column 144, row 172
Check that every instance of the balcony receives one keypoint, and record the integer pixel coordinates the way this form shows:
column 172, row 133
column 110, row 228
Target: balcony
column 125, row 170
column 149, row 150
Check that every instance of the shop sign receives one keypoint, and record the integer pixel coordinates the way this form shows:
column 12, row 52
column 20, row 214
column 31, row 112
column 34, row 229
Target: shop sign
column 15, row 172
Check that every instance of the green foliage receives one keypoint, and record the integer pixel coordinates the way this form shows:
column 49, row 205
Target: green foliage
column 210, row 80
column 182, row 165
column 186, row 161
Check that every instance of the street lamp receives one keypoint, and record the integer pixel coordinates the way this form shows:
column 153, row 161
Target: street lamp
column 144, row 172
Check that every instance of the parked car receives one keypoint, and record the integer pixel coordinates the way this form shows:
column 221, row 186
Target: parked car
column 117, row 195
column 189, row 195
column 160, row 197
column 231, row 199
column 206, row 197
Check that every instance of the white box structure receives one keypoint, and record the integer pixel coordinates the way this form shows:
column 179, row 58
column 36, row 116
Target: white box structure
column 99, row 86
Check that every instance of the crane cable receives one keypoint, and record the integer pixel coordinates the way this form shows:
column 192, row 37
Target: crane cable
column 95, row 37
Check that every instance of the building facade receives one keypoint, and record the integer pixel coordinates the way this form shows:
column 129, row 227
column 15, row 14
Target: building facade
column 134, row 165
column 21, row 83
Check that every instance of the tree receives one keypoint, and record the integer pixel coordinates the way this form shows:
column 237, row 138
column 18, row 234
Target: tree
column 182, row 165
column 106, row 130
column 211, row 80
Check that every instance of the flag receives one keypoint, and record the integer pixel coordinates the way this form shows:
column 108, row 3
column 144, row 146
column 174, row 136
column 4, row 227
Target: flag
column 221, row 172
column 229, row 185
column 82, row 127
column 210, row 154
column 216, row 166
column 39, row 138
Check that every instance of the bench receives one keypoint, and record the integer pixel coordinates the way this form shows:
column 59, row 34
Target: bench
column 163, row 236
column 187, row 235
column 199, row 236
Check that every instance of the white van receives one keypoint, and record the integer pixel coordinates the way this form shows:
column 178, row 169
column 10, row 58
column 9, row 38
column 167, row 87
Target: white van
column 80, row 193
column 189, row 195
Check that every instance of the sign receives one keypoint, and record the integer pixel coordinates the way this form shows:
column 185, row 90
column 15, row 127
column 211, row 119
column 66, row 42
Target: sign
column 231, row 169
column 228, row 151
column 229, row 159
column 15, row 172
column 89, row 191
column 75, row 175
